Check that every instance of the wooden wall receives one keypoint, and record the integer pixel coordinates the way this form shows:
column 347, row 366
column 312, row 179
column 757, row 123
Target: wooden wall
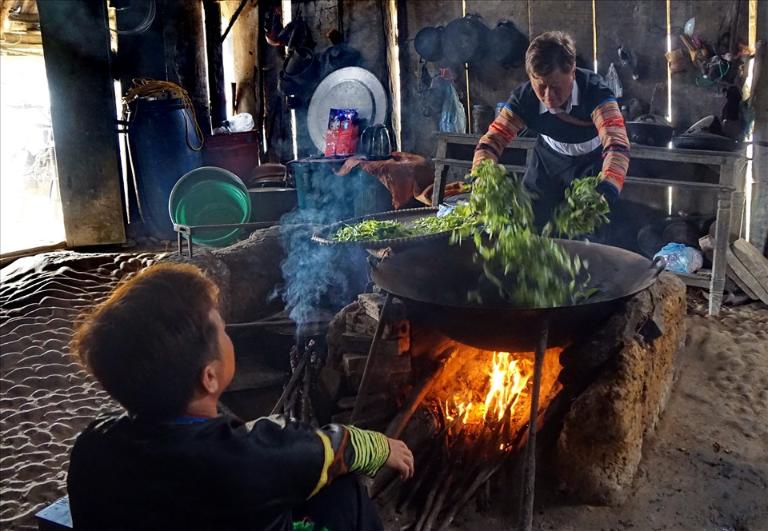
column 640, row 26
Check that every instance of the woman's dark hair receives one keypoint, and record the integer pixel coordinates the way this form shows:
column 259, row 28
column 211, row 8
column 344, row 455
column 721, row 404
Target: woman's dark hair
column 548, row 51
column 148, row 342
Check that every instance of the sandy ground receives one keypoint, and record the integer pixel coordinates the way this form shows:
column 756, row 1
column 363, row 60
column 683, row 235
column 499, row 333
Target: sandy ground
column 706, row 468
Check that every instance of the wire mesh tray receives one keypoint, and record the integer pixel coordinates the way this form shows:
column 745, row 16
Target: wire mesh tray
column 405, row 216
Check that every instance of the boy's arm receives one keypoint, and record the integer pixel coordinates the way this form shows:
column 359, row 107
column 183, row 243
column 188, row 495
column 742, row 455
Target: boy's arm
column 324, row 453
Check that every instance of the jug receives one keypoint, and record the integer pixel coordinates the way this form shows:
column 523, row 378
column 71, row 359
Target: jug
column 374, row 142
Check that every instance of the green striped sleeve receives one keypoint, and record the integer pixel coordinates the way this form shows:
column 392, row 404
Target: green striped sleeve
column 371, row 450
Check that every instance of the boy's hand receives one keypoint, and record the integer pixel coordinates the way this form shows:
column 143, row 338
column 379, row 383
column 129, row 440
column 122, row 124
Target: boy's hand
column 400, row 458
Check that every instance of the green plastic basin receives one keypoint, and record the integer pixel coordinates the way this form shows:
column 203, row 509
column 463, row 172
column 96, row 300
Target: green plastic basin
column 210, row 197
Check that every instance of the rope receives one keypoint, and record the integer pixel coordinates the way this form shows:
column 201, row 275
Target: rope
column 145, row 88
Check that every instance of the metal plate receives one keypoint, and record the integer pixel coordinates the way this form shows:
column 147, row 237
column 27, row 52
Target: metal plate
column 347, row 88
column 406, row 215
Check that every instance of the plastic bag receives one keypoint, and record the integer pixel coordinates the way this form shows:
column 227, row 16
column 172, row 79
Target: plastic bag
column 453, row 118
column 236, row 124
column 681, row 258
column 613, row 81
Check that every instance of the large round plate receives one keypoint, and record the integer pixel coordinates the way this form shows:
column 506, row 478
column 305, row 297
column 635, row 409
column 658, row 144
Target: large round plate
column 347, row 88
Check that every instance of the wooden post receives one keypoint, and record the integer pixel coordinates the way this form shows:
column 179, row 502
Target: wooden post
column 370, row 363
column 215, row 63
column 529, row 482
column 83, row 114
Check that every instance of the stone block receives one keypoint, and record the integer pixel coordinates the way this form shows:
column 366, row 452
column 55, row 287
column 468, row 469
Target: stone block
column 600, row 446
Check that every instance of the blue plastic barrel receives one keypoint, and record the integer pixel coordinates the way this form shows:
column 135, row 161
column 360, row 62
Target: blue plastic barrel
column 162, row 137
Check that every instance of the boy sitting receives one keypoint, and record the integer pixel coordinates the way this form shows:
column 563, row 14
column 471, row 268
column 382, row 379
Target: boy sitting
column 159, row 347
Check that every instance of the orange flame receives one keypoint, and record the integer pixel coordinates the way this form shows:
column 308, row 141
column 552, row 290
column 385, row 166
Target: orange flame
column 507, row 379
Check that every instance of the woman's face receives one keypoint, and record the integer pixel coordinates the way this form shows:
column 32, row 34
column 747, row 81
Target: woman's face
column 554, row 89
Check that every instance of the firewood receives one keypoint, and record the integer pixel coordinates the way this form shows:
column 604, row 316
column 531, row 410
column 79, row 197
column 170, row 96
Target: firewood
column 431, row 497
column 438, row 506
column 488, row 470
column 745, row 274
column 754, row 261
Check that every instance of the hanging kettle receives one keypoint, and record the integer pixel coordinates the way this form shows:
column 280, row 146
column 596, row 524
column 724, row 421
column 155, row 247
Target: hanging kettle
column 375, row 143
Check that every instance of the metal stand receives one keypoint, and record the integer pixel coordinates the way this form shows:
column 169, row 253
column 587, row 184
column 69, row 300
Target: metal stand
column 369, row 363
column 529, row 470
column 186, row 231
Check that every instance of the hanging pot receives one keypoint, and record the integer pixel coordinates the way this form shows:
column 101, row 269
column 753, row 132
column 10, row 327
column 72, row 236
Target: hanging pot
column 507, row 44
column 464, row 40
column 428, row 43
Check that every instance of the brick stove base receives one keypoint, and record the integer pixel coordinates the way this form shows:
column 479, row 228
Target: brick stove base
column 615, row 385
column 601, row 440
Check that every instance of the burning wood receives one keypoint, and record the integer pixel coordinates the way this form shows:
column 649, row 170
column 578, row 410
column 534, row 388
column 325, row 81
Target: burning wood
column 480, row 401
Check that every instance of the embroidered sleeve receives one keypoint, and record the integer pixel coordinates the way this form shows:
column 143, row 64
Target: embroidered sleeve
column 613, row 136
column 501, row 132
column 306, row 459
column 348, row 449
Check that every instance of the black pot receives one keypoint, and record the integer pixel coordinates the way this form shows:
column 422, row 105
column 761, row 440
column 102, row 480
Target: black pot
column 270, row 203
column 705, row 141
column 464, row 40
column 507, row 45
column 649, row 130
column 428, row 43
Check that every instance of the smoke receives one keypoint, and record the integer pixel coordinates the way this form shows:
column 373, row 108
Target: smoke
column 317, row 277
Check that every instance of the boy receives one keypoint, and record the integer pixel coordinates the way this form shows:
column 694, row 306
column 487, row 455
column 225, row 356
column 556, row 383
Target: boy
column 159, row 347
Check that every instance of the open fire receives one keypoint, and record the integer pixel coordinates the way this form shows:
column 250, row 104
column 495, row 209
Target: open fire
column 507, row 379
column 480, row 401
column 482, row 393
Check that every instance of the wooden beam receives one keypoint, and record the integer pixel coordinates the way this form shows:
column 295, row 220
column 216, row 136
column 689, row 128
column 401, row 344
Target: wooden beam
column 742, row 272
column 753, row 260
column 83, row 114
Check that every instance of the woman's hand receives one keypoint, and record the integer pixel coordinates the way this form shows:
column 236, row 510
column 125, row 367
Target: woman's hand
column 400, row 458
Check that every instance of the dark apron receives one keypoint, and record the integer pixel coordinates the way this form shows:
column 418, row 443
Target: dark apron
column 549, row 173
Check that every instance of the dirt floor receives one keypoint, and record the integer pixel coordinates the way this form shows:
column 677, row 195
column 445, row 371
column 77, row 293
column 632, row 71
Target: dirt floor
column 706, row 468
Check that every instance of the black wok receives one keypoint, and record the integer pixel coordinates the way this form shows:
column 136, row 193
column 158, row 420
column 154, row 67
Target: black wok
column 435, row 278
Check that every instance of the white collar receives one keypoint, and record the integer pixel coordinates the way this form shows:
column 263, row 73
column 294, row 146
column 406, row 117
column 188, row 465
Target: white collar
column 572, row 101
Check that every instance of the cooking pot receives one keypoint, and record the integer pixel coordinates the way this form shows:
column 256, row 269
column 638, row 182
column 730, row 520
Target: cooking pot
column 428, row 43
column 375, row 143
column 271, row 203
column 705, row 141
column 507, row 44
column 464, row 40
column 650, row 130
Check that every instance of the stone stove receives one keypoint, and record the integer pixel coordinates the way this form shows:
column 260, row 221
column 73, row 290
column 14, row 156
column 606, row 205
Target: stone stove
column 600, row 400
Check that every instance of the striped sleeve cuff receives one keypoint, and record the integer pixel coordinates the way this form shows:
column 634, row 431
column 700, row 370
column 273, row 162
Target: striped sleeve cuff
column 371, row 450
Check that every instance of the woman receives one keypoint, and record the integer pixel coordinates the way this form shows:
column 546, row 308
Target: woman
column 581, row 130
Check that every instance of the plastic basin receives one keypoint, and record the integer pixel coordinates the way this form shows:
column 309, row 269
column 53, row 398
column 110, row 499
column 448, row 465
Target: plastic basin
column 210, row 196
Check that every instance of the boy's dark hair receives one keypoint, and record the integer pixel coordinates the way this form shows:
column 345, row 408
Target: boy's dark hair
column 149, row 341
column 548, row 51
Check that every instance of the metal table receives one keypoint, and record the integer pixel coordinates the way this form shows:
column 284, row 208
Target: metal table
column 729, row 188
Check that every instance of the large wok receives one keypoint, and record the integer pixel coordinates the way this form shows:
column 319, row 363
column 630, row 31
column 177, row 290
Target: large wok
column 435, row 278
